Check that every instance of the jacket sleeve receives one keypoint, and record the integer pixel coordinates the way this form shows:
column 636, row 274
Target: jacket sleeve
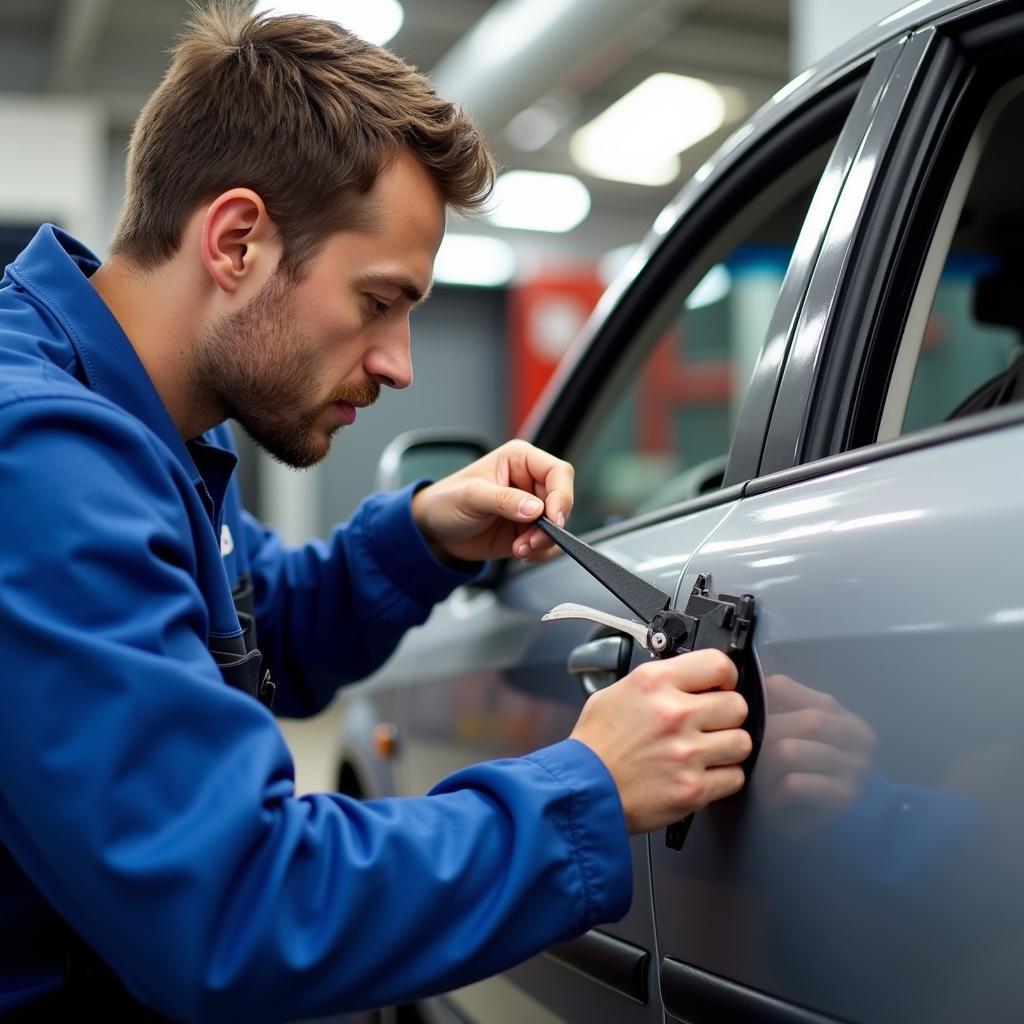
column 154, row 808
column 330, row 612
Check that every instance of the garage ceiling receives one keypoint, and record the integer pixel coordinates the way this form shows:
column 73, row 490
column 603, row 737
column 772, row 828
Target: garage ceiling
column 116, row 51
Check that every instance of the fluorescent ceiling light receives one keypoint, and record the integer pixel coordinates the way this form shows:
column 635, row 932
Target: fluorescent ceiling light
column 376, row 21
column 474, row 259
column 639, row 137
column 538, row 201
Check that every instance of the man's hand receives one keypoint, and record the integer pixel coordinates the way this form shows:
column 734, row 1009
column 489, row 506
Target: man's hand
column 671, row 746
column 485, row 510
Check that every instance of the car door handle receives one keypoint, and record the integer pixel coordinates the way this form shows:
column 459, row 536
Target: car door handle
column 598, row 663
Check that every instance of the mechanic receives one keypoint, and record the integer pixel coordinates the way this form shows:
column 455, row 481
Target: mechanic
column 286, row 196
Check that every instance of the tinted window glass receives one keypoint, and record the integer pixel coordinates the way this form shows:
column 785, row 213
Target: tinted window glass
column 962, row 355
column 964, row 346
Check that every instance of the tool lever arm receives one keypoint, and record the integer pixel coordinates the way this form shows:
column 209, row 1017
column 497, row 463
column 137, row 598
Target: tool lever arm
column 636, row 594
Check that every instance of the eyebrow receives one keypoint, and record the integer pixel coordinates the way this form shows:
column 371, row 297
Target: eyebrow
column 406, row 285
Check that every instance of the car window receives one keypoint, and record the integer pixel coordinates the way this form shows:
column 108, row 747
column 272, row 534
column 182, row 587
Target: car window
column 660, row 432
column 961, row 350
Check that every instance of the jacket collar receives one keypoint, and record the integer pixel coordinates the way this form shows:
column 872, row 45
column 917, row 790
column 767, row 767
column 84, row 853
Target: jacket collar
column 55, row 268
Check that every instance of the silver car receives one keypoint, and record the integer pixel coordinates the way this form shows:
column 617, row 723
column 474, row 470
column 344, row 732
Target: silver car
column 805, row 386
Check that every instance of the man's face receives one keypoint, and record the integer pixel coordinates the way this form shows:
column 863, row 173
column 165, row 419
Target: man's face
column 303, row 356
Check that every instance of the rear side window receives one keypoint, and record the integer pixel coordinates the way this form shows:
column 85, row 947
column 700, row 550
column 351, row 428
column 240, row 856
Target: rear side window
column 961, row 351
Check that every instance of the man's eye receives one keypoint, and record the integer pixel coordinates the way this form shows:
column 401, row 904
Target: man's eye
column 377, row 307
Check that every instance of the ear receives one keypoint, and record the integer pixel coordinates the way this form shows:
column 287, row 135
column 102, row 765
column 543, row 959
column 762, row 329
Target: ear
column 240, row 245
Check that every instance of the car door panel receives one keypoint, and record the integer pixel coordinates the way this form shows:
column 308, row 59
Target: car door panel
column 869, row 871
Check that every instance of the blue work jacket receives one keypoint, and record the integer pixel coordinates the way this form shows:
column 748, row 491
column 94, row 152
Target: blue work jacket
column 149, row 808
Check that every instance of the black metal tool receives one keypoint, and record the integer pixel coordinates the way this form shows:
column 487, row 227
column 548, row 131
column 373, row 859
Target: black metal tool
column 636, row 594
column 722, row 622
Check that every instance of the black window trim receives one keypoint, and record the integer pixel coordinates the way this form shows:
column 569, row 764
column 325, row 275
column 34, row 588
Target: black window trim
column 607, row 960
column 699, row 997
column 853, row 381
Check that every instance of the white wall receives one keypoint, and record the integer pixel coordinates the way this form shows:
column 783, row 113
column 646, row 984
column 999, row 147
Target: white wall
column 53, row 165
column 819, row 26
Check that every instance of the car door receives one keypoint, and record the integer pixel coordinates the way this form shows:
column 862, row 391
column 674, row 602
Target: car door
column 648, row 414
column 869, row 872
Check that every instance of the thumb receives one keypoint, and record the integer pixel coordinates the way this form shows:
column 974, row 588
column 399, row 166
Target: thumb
column 483, row 498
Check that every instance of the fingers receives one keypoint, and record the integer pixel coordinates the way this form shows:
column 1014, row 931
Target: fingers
column 720, row 711
column 483, row 498
column 539, row 472
column 693, row 794
column 723, row 782
column 728, row 747
column 539, row 553
column 712, row 712
column 697, row 671
column 669, row 735
column 518, row 483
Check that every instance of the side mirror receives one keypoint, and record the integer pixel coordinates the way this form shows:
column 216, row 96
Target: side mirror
column 431, row 454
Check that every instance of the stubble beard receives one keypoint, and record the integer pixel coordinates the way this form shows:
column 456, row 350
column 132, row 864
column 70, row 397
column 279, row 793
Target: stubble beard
column 257, row 367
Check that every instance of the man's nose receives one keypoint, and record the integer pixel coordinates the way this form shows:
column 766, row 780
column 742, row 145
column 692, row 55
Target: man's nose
column 389, row 362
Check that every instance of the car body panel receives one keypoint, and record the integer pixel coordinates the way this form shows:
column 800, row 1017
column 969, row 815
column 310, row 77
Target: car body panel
column 361, row 770
column 893, row 590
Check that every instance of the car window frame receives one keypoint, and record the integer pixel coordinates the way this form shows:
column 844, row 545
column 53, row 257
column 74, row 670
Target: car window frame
column 705, row 207
column 844, row 376
column 650, row 332
column 830, row 334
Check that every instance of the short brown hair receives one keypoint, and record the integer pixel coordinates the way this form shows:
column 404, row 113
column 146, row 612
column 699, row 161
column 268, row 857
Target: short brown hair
column 298, row 109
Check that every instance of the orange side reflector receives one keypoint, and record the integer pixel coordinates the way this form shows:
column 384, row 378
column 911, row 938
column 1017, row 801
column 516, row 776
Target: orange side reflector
column 385, row 740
